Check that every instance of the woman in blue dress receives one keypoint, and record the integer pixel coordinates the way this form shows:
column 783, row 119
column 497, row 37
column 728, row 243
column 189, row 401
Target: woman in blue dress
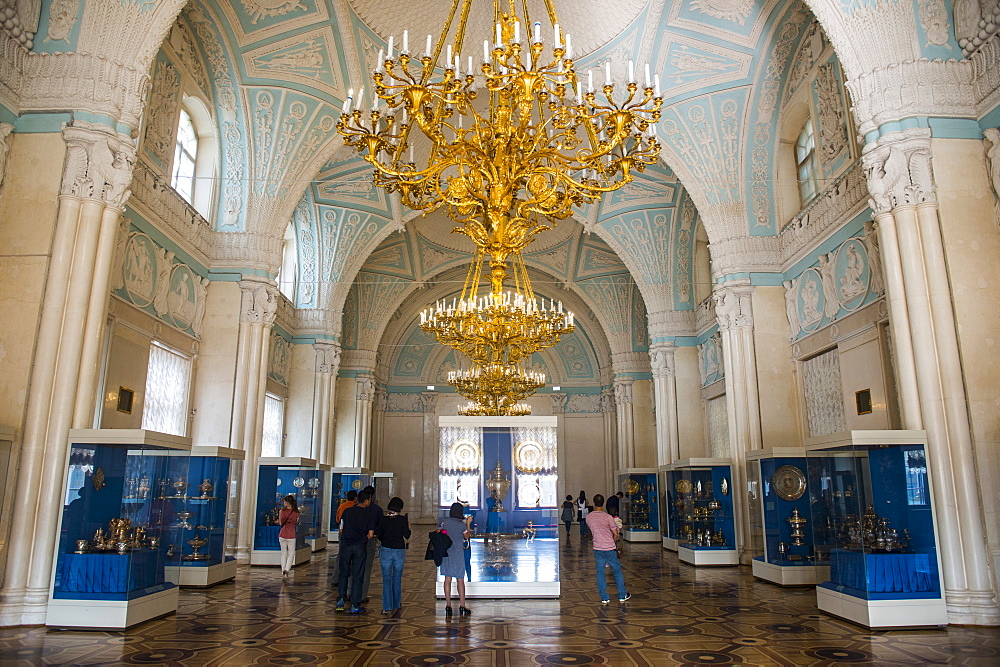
column 453, row 565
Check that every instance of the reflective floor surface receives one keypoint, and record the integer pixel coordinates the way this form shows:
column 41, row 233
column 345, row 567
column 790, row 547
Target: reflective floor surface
column 677, row 615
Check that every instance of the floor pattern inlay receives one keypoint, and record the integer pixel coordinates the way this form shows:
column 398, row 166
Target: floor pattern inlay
column 677, row 615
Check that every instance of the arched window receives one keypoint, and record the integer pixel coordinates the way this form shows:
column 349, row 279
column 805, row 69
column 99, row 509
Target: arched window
column 185, row 157
column 805, row 162
column 288, row 272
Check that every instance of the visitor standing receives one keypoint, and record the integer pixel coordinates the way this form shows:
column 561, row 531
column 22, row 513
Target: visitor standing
column 288, row 519
column 453, row 565
column 605, row 534
column 581, row 513
column 567, row 514
column 350, row 500
column 393, row 533
column 613, row 504
column 376, row 513
column 356, row 528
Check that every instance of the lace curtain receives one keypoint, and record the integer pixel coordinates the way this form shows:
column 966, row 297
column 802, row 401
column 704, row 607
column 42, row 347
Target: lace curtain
column 718, row 428
column 460, row 464
column 168, row 381
column 824, row 394
column 274, row 425
column 535, row 466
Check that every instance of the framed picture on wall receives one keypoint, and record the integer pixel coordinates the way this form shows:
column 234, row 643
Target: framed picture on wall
column 863, row 400
column 125, row 398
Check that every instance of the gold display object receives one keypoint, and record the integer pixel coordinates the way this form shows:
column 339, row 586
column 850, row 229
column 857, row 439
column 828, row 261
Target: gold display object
column 512, row 147
column 498, row 484
column 789, row 482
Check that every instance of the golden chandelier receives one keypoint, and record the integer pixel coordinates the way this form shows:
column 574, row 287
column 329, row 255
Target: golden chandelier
column 495, row 388
column 512, row 147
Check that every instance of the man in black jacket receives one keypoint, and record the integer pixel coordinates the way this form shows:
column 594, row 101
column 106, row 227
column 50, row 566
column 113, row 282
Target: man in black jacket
column 358, row 527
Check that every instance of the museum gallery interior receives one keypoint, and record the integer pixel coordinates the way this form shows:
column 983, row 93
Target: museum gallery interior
column 733, row 258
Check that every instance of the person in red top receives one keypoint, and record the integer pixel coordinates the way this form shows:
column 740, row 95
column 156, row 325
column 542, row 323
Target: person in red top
column 604, row 531
column 288, row 519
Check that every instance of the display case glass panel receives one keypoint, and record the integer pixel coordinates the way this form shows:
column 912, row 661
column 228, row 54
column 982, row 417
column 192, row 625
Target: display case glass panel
column 343, row 480
column 871, row 516
column 113, row 539
column 199, row 497
column 639, row 509
column 274, row 482
column 385, row 487
column 703, row 517
column 780, row 504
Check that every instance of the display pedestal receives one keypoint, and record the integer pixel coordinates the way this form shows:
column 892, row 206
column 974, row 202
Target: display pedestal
column 194, row 576
column 882, row 614
column 708, row 557
column 110, row 614
column 273, row 556
column 790, row 575
column 317, row 543
column 640, row 536
column 499, row 590
column 670, row 543
column 526, row 570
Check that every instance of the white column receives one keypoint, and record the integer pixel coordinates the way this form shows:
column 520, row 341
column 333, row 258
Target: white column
column 378, row 429
column 905, row 198
column 611, row 464
column 363, row 419
column 661, row 357
column 325, row 386
column 734, row 311
column 430, row 462
column 626, row 424
column 96, row 175
column 258, row 307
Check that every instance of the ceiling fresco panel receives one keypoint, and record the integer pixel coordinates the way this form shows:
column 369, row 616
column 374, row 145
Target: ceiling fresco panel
column 305, row 61
column 253, row 21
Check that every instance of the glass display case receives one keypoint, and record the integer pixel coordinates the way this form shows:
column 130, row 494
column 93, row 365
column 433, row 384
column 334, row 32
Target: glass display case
column 343, row 480
column 318, row 488
column 112, row 541
column 201, row 496
column 779, row 501
column 872, row 513
column 668, row 510
column 703, row 499
column 385, row 487
column 640, row 508
column 278, row 477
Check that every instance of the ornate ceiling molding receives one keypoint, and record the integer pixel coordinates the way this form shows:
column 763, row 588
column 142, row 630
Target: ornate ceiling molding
column 914, row 88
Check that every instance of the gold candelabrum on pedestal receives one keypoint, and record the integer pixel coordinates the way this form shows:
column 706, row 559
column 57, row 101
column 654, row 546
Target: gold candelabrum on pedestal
column 498, row 484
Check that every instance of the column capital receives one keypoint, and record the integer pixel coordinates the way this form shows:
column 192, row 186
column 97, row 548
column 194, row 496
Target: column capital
column 898, row 168
column 381, row 399
column 607, row 400
column 661, row 359
column 623, row 390
column 558, row 403
column 258, row 302
column 327, row 356
column 365, row 388
column 98, row 164
column 733, row 307
column 429, row 399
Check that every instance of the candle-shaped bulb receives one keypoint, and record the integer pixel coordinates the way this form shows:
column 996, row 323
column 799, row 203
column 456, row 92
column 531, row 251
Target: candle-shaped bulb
column 406, row 42
column 649, row 81
column 517, row 32
column 347, row 102
column 381, row 59
column 538, row 32
column 555, row 37
column 569, row 46
column 391, row 39
column 607, row 73
column 486, row 51
column 590, row 80
column 656, row 85
column 631, row 72
column 499, row 39
column 447, row 58
column 427, row 50
column 361, row 95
